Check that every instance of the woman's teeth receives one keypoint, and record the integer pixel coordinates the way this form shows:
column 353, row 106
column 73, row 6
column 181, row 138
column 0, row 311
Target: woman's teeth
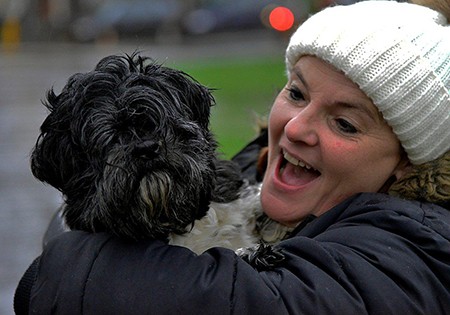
column 296, row 162
column 296, row 173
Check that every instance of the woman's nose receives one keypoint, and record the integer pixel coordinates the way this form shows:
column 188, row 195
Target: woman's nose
column 303, row 127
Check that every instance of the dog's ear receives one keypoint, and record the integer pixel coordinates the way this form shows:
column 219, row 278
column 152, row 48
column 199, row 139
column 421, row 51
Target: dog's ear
column 52, row 157
column 200, row 100
column 196, row 97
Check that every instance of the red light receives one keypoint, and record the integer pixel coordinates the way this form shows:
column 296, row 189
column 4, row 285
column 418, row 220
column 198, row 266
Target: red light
column 281, row 19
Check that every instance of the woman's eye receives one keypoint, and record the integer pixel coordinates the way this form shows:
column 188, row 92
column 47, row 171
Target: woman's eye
column 345, row 126
column 295, row 94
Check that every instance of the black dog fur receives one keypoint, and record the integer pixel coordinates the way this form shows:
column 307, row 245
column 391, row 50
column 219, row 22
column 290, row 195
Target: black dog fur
column 125, row 161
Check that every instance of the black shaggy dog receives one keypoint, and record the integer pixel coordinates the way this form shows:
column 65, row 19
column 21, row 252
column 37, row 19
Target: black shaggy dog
column 129, row 146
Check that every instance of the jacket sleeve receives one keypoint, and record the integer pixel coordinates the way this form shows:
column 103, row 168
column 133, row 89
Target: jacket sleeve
column 23, row 290
column 84, row 273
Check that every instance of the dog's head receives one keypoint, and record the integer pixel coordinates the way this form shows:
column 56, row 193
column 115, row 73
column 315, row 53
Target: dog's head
column 128, row 145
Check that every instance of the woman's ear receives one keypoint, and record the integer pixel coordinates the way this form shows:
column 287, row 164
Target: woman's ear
column 403, row 167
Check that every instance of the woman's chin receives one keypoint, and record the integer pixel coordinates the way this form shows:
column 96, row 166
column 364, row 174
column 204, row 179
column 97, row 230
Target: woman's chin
column 279, row 210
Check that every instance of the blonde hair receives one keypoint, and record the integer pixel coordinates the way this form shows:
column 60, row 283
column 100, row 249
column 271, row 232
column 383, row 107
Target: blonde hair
column 425, row 182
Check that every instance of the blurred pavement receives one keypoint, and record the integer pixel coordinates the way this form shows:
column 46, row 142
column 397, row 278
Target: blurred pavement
column 27, row 205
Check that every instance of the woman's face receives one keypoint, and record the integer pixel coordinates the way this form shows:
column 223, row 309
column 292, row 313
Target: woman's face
column 327, row 141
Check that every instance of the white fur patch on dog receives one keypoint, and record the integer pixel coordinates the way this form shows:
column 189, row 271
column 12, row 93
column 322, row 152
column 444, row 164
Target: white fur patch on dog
column 234, row 225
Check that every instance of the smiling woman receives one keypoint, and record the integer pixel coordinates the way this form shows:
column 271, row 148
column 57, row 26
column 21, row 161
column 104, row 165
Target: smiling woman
column 320, row 145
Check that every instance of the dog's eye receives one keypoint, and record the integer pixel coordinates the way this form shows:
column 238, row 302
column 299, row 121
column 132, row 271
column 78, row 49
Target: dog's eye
column 147, row 149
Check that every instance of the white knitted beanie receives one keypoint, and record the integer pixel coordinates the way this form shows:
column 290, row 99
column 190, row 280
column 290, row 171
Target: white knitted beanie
column 399, row 56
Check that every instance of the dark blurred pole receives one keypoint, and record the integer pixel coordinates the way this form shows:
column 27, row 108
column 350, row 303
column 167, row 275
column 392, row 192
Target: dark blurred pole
column 76, row 10
column 75, row 6
column 172, row 29
column 44, row 13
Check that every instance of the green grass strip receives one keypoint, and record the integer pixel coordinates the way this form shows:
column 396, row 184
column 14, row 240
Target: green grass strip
column 244, row 91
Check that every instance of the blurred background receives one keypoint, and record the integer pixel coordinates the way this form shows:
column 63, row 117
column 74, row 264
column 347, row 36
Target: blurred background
column 236, row 47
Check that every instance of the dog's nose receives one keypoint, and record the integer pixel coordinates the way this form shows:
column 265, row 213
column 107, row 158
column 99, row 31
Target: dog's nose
column 148, row 149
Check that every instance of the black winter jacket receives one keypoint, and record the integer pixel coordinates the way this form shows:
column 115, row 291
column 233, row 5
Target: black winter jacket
column 372, row 254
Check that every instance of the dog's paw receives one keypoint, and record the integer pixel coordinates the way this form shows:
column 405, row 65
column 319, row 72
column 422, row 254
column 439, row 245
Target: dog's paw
column 262, row 256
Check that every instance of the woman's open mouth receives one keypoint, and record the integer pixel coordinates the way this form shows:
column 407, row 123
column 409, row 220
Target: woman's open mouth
column 295, row 172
